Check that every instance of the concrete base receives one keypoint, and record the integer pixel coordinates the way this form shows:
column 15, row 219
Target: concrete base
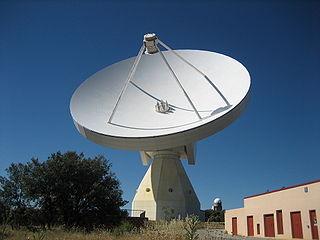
column 165, row 192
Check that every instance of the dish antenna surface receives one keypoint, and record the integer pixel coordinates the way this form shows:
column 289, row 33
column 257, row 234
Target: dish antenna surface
column 160, row 103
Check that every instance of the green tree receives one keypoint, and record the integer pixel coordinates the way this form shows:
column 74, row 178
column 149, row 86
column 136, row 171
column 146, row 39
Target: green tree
column 13, row 195
column 68, row 189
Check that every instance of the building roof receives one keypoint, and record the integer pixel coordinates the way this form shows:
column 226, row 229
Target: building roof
column 281, row 189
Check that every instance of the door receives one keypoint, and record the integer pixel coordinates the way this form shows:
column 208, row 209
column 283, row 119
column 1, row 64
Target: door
column 279, row 222
column 314, row 224
column 269, row 225
column 296, row 225
column 250, row 225
column 234, row 226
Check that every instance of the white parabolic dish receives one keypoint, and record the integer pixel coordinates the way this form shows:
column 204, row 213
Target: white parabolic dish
column 136, row 125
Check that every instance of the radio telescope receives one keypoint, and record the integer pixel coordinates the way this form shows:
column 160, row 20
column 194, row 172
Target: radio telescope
column 160, row 103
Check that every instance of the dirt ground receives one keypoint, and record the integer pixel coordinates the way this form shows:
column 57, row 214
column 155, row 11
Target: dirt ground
column 219, row 234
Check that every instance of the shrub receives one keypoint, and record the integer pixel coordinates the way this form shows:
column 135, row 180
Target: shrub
column 191, row 226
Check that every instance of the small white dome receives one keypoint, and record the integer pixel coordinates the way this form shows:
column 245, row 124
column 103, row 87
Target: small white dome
column 217, row 200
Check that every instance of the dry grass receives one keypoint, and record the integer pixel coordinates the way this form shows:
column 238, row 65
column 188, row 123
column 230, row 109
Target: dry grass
column 56, row 234
column 154, row 231
column 172, row 230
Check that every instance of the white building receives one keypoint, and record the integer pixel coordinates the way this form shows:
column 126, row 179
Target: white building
column 291, row 212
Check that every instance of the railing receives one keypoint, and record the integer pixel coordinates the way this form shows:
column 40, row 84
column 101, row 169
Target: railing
column 135, row 213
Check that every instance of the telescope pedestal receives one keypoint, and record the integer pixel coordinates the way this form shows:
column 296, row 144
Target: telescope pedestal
column 165, row 191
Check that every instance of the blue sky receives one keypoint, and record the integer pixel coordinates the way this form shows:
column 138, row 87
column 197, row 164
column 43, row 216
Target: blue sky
column 47, row 48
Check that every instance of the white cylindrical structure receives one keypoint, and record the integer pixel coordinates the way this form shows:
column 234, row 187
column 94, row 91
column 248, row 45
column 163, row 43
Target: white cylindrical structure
column 217, row 204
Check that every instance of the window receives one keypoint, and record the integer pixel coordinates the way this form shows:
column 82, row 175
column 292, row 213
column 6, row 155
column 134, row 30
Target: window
column 258, row 228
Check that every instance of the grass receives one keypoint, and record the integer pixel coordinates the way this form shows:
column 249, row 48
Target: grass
column 60, row 234
column 153, row 230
